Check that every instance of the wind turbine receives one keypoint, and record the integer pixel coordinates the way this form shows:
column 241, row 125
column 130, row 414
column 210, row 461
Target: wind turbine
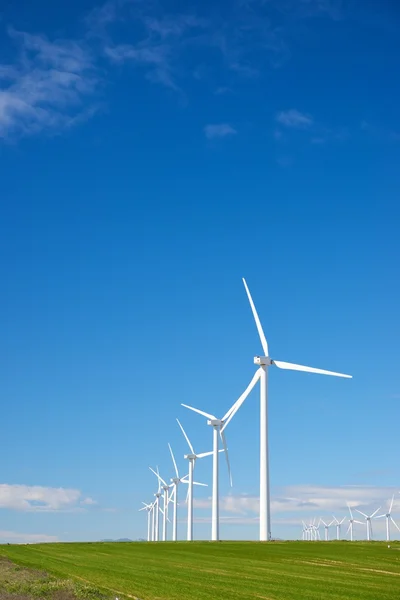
column 338, row 526
column 175, row 481
column 389, row 518
column 164, row 512
column 326, row 527
column 368, row 521
column 216, row 425
column 264, row 362
column 149, row 509
column 157, row 509
column 192, row 457
column 352, row 520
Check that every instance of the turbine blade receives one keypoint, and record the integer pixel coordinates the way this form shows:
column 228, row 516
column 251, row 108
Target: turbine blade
column 201, row 412
column 186, row 437
column 394, row 523
column 351, row 514
column 159, row 482
column 374, row 513
column 173, row 460
column 380, row 516
column 361, row 513
column 202, row 484
column 226, row 455
column 294, row 367
column 348, row 529
column 203, row 454
column 359, row 522
column 233, row 410
column 257, row 320
column 157, row 475
column 391, row 504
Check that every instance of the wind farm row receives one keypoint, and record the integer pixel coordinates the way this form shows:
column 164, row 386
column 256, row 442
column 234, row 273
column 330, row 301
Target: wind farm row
column 310, row 531
column 169, row 491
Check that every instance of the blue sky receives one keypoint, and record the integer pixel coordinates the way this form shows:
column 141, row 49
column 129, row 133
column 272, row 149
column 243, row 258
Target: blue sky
column 150, row 157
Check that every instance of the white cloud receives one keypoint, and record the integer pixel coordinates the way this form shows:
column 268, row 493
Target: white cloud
column 294, row 119
column 44, row 88
column 308, row 499
column 13, row 537
column 220, row 130
column 41, row 499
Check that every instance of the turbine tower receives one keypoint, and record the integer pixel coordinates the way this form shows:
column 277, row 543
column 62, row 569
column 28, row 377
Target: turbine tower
column 368, row 521
column 192, row 457
column 389, row 518
column 264, row 362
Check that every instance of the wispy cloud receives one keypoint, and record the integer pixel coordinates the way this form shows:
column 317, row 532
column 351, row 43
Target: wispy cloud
column 41, row 499
column 294, row 119
column 220, row 130
column 14, row 537
column 44, row 89
column 308, row 498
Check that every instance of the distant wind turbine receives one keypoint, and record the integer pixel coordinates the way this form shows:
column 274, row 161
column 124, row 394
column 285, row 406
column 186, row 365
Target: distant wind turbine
column 338, row 526
column 175, row 481
column 389, row 518
column 264, row 362
column 368, row 519
column 352, row 520
column 149, row 509
column 165, row 487
column 326, row 527
column 192, row 457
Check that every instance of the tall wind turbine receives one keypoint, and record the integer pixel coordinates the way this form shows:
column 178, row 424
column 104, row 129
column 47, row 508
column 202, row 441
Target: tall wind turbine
column 216, row 425
column 368, row 521
column 149, row 509
column 165, row 487
column 192, row 457
column 264, row 362
column 389, row 518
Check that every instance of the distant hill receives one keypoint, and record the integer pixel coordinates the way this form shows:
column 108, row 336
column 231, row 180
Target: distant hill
column 120, row 540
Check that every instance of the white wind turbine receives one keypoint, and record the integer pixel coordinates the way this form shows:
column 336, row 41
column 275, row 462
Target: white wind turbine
column 264, row 362
column 192, row 457
column 156, row 512
column 175, row 481
column 338, row 526
column 326, row 527
column 149, row 509
column 368, row 519
column 164, row 512
column 216, row 425
column 352, row 520
column 389, row 518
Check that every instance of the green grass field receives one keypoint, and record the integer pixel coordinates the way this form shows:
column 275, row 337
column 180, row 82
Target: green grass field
column 223, row 571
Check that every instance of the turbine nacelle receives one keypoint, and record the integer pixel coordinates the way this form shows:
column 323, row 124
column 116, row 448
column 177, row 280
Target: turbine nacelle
column 215, row 422
column 264, row 361
column 190, row 456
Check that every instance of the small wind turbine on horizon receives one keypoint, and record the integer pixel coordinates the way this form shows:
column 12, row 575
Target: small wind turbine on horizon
column 192, row 457
column 326, row 527
column 156, row 510
column 264, row 362
column 368, row 520
column 338, row 526
column 389, row 518
column 352, row 520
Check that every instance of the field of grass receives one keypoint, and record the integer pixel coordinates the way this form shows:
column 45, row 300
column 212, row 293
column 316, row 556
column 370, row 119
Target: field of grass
column 221, row 571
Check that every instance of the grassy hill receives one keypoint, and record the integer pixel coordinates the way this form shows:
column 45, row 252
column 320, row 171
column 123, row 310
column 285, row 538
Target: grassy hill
column 219, row 571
